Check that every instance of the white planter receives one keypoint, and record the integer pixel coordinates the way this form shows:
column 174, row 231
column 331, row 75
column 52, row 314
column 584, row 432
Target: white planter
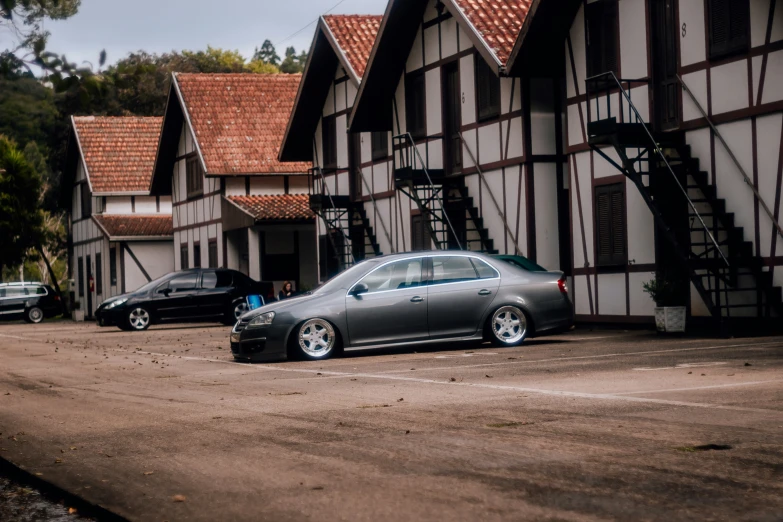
column 670, row 318
column 78, row 315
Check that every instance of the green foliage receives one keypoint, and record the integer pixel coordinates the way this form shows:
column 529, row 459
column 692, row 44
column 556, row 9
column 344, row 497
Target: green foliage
column 664, row 291
column 215, row 60
column 266, row 53
column 21, row 219
column 293, row 63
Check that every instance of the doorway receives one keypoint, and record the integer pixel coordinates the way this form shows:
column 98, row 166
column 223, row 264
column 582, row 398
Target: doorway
column 89, row 286
column 452, row 117
column 664, row 49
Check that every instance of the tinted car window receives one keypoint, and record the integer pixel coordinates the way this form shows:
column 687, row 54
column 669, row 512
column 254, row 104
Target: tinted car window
column 39, row 290
column 483, row 270
column 452, row 270
column 183, row 283
column 215, row 280
column 395, row 276
column 15, row 291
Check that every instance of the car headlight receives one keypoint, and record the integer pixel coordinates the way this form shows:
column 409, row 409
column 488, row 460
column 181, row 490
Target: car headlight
column 116, row 303
column 261, row 320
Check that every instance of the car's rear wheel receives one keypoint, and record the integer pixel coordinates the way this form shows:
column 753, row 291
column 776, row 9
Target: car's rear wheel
column 139, row 319
column 508, row 326
column 316, row 339
column 34, row 315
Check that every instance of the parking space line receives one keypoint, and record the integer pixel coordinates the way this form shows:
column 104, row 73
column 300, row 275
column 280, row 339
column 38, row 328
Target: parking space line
column 696, row 388
column 585, row 357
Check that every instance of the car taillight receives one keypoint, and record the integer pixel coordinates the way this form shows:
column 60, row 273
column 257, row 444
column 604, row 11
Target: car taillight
column 563, row 286
column 56, row 297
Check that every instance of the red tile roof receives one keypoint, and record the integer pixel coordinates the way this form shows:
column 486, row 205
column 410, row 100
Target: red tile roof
column 355, row 34
column 119, row 152
column 284, row 207
column 135, row 225
column 240, row 119
column 497, row 21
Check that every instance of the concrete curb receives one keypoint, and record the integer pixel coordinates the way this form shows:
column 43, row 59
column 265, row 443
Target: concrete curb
column 55, row 493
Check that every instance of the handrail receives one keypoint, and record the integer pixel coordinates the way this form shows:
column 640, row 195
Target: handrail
column 491, row 195
column 733, row 157
column 378, row 215
column 324, row 185
column 661, row 155
column 407, row 136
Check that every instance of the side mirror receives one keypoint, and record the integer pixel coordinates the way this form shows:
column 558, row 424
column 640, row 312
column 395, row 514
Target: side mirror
column 165, row 291
column 359, row 289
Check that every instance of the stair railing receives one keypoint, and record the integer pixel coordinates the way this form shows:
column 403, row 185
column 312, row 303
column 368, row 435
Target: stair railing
column 346, row 237
column 608, row 76
column 411, row 144
column 491, row 195
column 745, row 177
column 377, row 214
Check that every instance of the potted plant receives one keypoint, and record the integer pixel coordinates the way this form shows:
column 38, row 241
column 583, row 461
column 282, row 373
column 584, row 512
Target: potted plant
column 667, row 294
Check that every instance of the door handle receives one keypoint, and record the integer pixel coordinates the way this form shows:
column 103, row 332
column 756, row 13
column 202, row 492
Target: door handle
column 417, row 299
column 484, row 292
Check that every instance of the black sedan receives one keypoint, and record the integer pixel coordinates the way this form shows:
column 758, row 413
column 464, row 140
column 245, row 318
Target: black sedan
column 29, row 301
column 196, row 294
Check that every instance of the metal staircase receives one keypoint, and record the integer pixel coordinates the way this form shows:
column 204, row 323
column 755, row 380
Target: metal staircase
column 708, row 244
column 453, row 221
column 347, row 226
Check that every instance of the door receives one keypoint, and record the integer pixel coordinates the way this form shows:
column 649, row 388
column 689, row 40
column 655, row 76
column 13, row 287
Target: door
column 395, row 307
column 458, row 295
column 89, row 286
column 12, row 300
column 214, row 295
column 452, row 117
column 355, row 165
column 666, row 90
column 177, row 298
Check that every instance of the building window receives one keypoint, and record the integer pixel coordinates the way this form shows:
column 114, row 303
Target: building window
column 98, row 274
column 194, row 177
column 113, row 266
column 415, row 113
column 329, row 140
column 86, row 201
column 602, row 37
column 213, row 253
column 487, row 90
column 196, row 255
column 610, row 225
column 728, row 26
column 420, row 234
column 80, row 269
column 380, row 145
column 183, row 257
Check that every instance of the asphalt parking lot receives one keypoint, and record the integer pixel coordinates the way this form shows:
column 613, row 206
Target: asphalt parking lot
column 605, row 424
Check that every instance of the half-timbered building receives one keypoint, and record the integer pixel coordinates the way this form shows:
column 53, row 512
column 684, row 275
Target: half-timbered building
column 120, row 236
column 234, row 204
column 675, row 155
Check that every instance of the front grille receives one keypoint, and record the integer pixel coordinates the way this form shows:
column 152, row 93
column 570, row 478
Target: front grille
column 241, row 325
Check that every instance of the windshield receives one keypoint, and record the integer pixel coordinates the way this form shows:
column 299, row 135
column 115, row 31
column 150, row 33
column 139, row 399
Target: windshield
column 345, row 278
column 152, row 284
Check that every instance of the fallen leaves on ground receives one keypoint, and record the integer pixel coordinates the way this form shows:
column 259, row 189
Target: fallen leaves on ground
column 178, row 498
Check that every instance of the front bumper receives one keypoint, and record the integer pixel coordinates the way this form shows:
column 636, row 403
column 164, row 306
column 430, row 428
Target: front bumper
column 109, row 317
column 266, row 343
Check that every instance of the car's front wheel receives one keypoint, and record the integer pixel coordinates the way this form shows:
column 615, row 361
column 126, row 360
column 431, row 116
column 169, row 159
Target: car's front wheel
column 34, row 315
column 138, row 319
column 315, row 340
column 234, row 312
column 508, row 326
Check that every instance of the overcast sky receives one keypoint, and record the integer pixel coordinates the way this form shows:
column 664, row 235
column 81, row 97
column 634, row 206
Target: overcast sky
column 122, row 26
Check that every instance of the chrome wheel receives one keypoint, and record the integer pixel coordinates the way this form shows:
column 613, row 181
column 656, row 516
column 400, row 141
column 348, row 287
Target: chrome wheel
column 35, row 315
column 240, row 309
column 317, row 338
column 139, row 319
column 509, row 325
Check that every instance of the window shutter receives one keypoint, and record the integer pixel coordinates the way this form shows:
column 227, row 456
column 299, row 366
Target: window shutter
column 610, row 216
column 728, row 26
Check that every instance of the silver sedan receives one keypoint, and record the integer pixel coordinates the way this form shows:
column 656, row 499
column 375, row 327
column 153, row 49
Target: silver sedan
column 412, row 298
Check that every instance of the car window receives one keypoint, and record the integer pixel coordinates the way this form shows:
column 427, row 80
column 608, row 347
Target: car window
column 210, row 280
column 39, row 290
column 183, row 283
column 483, row 270
column 18, row 291
column 452, row 269
column 395, row 276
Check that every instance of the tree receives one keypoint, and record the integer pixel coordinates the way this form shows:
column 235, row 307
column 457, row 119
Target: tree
column 21, row 219
column 267, row 53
